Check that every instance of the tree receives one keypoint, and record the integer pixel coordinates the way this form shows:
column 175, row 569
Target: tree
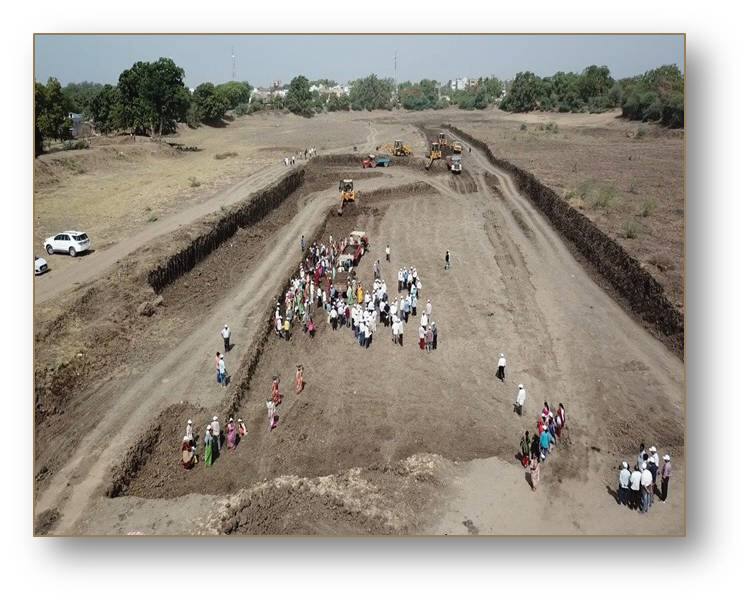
column 525, row 93
column 154, row 97
column 594, row 81
column 299, row 99
column 105, row 109
column 210, row 105
column 371, row 93
column 51, row 110
column 80, row 95
column 234, row 93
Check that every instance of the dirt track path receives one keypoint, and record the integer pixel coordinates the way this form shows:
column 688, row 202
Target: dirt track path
column 187, row 371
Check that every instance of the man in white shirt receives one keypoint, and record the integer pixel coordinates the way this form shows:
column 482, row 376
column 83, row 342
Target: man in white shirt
column 428, row 306
column 395, row 332
column 521, row 397
column 424, row 320
column 368, row 334
column 216, row 431
column 388, row 253
column 501, row 372
column 624, row 480
column 401, row 332
column 333, row 318
column 189, row 431
column 635, row 487
column 225, row 336
column 646, row 487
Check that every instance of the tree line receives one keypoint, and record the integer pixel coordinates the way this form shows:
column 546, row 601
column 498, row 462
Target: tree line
column 151, row 98
column 656, row 95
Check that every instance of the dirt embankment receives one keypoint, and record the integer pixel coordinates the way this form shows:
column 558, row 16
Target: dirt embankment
column 247, row 214
column 644, row 295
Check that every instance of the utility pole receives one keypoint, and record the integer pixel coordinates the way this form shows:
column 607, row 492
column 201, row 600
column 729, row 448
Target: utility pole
column 396, row 81
column 234, row 66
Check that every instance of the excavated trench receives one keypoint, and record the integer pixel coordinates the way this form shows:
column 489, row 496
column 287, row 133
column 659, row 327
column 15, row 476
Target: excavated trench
column 172, row 268
column 642, row 294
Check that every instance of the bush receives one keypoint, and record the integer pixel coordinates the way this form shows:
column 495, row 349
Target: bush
column 194, row 183
column 242, row 109
column 551, row 126
column 647, row 208
column 221, row 156
column 631, row 229
column 523, row 127
column 75, row 144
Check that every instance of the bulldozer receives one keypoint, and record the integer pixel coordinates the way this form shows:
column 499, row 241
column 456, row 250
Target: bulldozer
column 346, row 193
column 434, row 154
column 443, row 142
column 398, row 149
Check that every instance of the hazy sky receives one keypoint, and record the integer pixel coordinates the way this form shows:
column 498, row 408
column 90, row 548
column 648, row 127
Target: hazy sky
column 261, row 59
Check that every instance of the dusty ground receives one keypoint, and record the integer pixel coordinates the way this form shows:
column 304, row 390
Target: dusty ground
column 368, row 417
column 625, row 176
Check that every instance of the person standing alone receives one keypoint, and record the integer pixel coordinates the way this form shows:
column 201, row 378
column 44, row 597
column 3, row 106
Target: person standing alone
column 447, row 265
column 665, row 476
column 501, row 372
column 388, row 252
column 225, row 336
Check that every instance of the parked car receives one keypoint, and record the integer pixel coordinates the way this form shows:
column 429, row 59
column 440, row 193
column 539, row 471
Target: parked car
column 70, row 242
column 40, row 266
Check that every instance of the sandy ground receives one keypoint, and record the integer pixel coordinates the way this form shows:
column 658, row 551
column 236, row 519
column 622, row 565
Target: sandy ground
column 513, row 287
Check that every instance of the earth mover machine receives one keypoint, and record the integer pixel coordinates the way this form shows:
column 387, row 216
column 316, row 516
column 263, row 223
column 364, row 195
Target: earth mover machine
column 346, row 193
column 443, row 142
column 398, row 149
column 456, row 148
column 434, row 154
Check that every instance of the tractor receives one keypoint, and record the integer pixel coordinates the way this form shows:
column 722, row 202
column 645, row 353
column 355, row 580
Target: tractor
column 434, row 154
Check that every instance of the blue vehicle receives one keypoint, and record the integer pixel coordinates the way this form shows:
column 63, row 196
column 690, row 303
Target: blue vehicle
column 382, row 161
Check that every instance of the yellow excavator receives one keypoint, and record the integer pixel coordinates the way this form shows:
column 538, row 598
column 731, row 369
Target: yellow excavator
column 347, row 193
column 456, row 148
column 398, row 149
column 434, row 154
column 443, row 142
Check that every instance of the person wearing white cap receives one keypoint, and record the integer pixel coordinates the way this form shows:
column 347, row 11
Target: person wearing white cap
column 624, row 479
column 424, row 320
column 428, row 309
column 188, row 453
column 216, row 433
column 545, row 443
column 665, row 476
column 225, row 336
column 501, row 372
column 388, row 252
column 521, row 397
column 189, row 430
column 646, row 487
column 635, row 487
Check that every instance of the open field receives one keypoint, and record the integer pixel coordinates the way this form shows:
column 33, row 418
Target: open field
column 385, row 440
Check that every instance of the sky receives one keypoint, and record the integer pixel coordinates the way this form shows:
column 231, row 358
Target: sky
column 260, row 59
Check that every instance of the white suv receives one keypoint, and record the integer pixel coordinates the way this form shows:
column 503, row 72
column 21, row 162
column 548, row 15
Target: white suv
column 70, row 242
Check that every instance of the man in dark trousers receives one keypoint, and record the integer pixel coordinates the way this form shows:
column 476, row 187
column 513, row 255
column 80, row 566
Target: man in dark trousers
column 447, row 265
column 302, row 243
column 225, row 336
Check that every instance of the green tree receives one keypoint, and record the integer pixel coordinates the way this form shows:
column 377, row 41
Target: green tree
column 234, row 93
column 210, row 105
column 154, row 97
column 52, row 110
column 594, row 81
column 299, row 99
column 371, row 93
column 80, row 95
column 525, row 93
column 104, row 109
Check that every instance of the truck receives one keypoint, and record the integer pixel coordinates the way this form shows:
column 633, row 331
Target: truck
column 454, row 164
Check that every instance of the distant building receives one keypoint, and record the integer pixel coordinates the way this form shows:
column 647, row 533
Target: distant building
column 459, row 84
column 79, row 127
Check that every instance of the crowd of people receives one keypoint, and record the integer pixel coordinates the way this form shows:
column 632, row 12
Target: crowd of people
column 303, row 154
column 548, row 433
column 637, row 487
